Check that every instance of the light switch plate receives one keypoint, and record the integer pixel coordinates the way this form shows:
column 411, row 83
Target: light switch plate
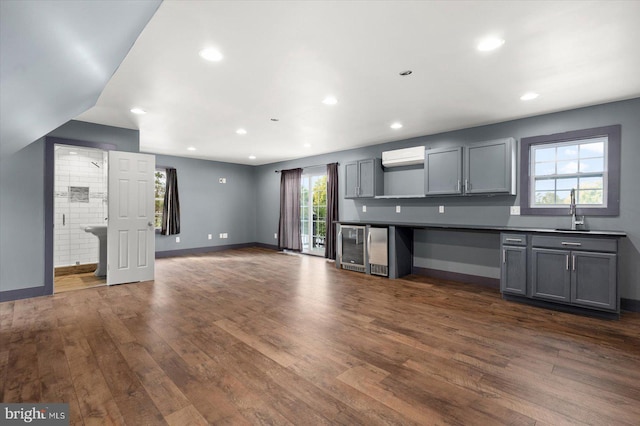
column 209, row 236
column 398, row 209
column 222, row 180
column 441, row 209
column 364, row 209
column 275, row 236
column 515, row 210
column 177, row 239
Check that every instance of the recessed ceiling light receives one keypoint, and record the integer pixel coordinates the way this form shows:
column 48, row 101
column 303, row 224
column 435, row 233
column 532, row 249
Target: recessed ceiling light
column 138, row 110
column 191, row 148
column 330, row 100
column 396, row 125
column 211, row 54
column 241, row 131
column 407, row 72
column 490, row 43
column 252, row 157
column 307, row 145
column 529, row 96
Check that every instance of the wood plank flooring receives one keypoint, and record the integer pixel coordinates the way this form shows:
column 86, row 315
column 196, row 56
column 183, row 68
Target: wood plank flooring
column 252, row 336
column 77, row 281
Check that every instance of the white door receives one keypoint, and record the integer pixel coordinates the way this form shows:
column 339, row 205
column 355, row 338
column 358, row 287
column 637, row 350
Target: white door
column 130, row 231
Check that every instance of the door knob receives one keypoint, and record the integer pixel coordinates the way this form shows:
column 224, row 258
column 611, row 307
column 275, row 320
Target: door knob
column 150, row 224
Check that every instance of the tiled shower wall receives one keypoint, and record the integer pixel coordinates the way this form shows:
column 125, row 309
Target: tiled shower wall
column 74, row 173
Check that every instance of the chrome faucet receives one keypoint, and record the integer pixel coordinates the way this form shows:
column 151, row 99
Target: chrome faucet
column 575, row 220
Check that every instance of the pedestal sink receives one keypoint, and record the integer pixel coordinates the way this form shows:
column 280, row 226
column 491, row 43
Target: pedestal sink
column 100, row 231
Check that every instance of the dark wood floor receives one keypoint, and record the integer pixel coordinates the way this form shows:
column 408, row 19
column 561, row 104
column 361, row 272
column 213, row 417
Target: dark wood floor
column 255, row 337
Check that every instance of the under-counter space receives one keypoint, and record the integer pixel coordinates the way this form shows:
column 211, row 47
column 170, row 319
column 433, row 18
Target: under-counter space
column 587, row 284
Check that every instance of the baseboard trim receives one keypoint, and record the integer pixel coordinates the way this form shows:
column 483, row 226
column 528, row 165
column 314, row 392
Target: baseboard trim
column 562, row 308
column 200, row 250
column 266, row 246
column 456, row 276
column 22, row 293
column 630, row 305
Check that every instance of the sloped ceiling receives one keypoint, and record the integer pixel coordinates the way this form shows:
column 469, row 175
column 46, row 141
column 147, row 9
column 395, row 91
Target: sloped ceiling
column 56, row 58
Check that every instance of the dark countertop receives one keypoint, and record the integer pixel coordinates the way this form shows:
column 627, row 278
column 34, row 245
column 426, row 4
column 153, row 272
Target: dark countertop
column 486, row 228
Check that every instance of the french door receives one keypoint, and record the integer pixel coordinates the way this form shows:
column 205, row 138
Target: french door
column 313, row 212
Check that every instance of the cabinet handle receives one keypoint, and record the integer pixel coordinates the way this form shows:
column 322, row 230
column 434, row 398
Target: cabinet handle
column 369, row 243
column 458, row 186
column 467, row 186
column 574, row 262
column 514, row 240
column 504, row 256
column 567, row 262
column 566, row 243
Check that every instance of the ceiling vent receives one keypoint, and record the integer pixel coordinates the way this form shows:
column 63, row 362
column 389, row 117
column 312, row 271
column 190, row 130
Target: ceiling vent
column 403, row 157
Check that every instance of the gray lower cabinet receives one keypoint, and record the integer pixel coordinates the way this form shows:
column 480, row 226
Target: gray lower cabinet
column 513, row 268
column 363, row 179
column 513, row 271
column 580, row 274
column 550, row 274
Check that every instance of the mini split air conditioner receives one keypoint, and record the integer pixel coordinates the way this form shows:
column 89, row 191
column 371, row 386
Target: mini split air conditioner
column 403, row 157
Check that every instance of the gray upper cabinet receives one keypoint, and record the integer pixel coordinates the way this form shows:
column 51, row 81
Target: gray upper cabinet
column 490, row 167
column 363, row 179
column 443, row 171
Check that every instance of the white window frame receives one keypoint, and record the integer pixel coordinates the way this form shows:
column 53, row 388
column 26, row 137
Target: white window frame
column 577, row 175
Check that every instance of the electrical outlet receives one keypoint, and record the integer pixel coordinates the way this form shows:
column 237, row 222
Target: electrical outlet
column 209, row 236
column 441, row 209
column 275, row 236
column 222, row 180
column 364, row 209
column 177, row 239
column 398, row 209
column 221, row 235
column 515, row 210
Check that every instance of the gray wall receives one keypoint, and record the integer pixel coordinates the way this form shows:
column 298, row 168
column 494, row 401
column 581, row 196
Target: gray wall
column 22, row 202
column 209, row 207
column 475, row 253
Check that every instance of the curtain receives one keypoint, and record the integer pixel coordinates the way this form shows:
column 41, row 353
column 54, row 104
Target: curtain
column 332, row 210
column 289, row 224
column 171, row 208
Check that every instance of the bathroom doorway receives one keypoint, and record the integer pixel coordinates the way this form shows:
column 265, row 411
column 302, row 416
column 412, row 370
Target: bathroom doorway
column 80, row 204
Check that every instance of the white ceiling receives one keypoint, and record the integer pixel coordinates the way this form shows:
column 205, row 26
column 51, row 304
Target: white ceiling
column 281, row 58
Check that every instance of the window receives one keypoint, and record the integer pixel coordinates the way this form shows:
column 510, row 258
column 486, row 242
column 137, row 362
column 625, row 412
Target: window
column 585, row 160
column 313, row 212
column 160, row 188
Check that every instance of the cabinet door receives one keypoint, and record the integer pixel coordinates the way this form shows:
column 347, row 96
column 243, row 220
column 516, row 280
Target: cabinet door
column 513, row 271
column 443, row 171
column 366, row 178
column 594, row 278
column 351, row 180
column 550, row 274
column 489, row 167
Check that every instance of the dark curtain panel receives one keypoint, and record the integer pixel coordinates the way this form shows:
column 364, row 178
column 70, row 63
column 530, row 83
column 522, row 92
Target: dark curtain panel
column 332, row 210
column 289, row 224
column 171, row 209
